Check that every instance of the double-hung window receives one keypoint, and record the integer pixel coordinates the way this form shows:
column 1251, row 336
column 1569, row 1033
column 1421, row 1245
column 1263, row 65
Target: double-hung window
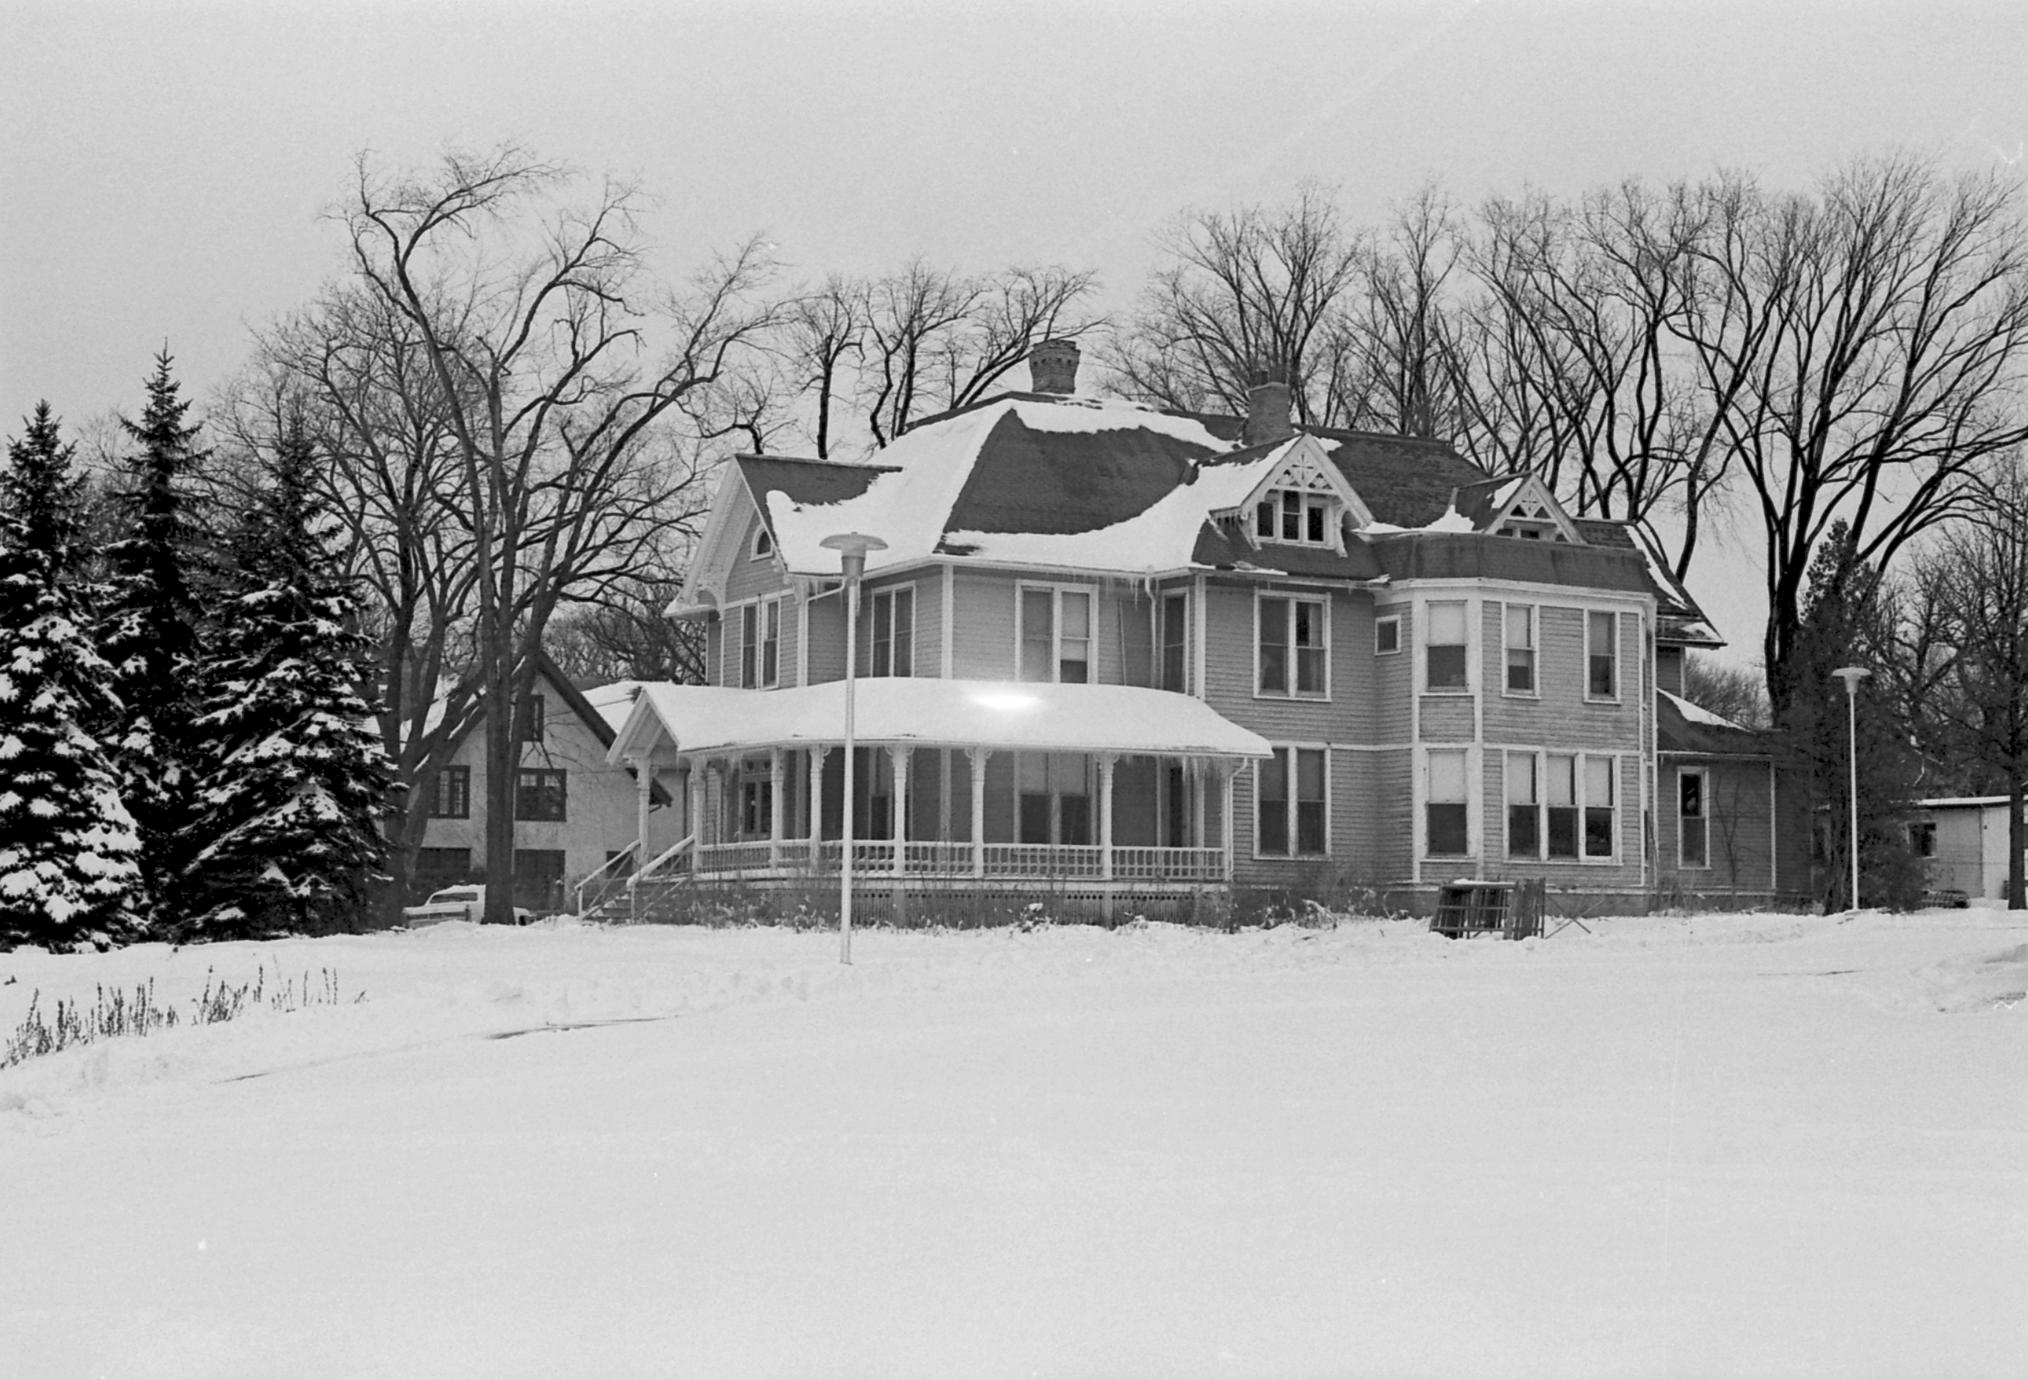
column 1175, row 667
column 1291, row 638
column 1444, row 646
column 760, row 644
column 1055, row 798
column 1601, row 656
column 1292, row 804
column 1518, row 624
column 1693, row 825
column 1055, row 634
column 1580, row 805
column 1524, row 807
column 892, row 645
column 1447, row 804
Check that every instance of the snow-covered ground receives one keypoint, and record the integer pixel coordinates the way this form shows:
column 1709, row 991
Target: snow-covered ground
column 1705, row 1146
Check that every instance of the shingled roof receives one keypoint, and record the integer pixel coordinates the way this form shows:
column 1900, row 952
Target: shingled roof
column 1104, row 484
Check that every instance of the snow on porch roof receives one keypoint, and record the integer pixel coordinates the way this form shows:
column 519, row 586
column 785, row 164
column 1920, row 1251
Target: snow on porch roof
column 1007, row 715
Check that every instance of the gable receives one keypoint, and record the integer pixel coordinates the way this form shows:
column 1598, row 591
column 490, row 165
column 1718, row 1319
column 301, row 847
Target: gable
column 1283, row 500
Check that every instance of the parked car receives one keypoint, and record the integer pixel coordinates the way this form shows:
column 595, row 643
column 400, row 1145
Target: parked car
column 457, row 903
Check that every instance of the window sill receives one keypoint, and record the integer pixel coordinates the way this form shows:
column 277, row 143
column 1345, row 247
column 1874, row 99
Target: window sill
column 1460, row 691
column 1275, row 695
column 1521, row 694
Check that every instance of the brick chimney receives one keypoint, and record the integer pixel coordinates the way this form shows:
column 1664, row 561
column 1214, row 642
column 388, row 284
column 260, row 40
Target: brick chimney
column 1267, row 413
column 1052, row 366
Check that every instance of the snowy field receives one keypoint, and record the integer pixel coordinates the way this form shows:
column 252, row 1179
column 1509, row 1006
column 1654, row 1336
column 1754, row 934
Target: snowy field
column 1702, row 1147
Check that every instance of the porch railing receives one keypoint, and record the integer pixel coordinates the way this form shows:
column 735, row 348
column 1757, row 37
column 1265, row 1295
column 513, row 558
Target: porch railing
column 954, row 860
column 607, row 880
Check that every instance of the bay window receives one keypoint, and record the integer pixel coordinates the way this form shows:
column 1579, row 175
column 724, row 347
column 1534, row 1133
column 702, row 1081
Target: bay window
column 1602, row 672
column 1447, row 797
column 1518, row 624
column 1444, row 647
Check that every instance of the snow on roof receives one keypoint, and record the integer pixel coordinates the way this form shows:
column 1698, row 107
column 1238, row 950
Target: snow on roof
column 1451, row 521
column 1157, row 539
column 910, row 506
column 614, row 702
column 1698, row 714
column 1962, row 802
column 936, row 713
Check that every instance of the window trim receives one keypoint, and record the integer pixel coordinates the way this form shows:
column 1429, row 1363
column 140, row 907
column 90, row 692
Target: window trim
column 762, row 544
column 1473, row 842
column 521, row 784
column 765, row 671
column 1579, row 804
column 874, row 598
column 1703, row 817
column 1177, row 637
column 448, row 774
column 1056, row 795
column 1427, row 623
column 1323, row 645
column 1619, row 676
column 1292, row 806
column 1387, row 620
column 1534, row 650
column 1056, row 591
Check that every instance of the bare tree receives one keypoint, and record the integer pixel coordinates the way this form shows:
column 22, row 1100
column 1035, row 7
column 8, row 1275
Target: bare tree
column 1255, row 292
column 1391, row 358
column 560, row 373
column 1733, row 692
column 1863, row 349
column 823, row 330
column 934, row 339
column 1969, row 643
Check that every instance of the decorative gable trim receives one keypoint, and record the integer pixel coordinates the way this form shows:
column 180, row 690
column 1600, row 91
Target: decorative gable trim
column 1531, row 510
column 723, row 545
column 1304, row 468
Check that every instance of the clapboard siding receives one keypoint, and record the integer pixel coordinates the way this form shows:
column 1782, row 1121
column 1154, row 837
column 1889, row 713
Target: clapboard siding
column 1449, row 718
column 1394, row 679
column 827, row 638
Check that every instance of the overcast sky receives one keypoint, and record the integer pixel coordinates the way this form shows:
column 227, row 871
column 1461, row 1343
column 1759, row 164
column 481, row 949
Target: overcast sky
column 163, row 165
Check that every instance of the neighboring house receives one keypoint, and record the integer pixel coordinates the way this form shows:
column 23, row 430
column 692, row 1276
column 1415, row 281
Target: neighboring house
column 573, row 812
column 1962, row 841
column 1116, row 652
column 1732, row 822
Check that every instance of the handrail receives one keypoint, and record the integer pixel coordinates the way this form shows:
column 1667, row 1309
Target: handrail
column 671, row 851
column 614, row 861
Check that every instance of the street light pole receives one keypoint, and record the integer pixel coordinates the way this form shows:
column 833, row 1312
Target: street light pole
column 851, row 548
column 1852, row 675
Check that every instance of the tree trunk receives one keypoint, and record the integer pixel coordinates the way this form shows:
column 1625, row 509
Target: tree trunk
column 2017, row 844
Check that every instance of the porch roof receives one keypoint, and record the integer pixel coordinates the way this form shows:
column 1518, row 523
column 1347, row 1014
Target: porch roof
column 925, row 712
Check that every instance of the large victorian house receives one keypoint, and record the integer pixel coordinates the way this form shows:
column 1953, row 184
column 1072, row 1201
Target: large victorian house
column 1124, row 654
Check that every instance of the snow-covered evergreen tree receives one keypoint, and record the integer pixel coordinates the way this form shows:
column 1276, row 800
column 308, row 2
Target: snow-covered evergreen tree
column 284, row 833
column 68, row 852
column 148, row 625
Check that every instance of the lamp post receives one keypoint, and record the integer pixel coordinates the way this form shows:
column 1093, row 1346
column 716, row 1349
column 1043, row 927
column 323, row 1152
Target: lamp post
column 851, row 548
column 1852, row 675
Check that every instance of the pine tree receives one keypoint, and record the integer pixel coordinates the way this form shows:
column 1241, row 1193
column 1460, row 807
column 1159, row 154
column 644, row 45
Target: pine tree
column 148, row 633
column 284, row 834
column 67, row 846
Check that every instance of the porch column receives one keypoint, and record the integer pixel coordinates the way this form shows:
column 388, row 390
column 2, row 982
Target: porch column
column 1229, row 773
column 644, row 791
column 817, row 756
column 900, row 757
column 977, row 757
column 693, row 804
column 778, row 803
column 1106, row 762
column 1197, row 771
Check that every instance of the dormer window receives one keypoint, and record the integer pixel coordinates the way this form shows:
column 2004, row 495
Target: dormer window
column 1305, row 517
